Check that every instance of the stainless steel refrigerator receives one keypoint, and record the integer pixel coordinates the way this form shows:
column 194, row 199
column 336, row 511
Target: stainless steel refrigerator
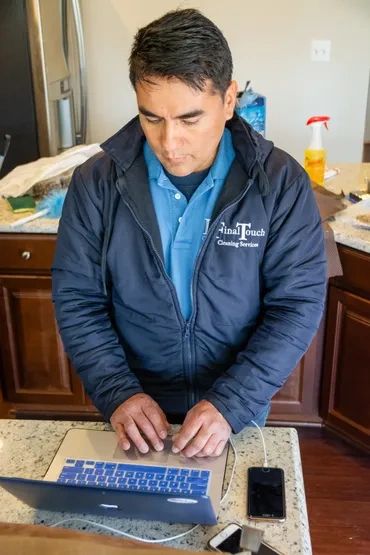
column 43, row 96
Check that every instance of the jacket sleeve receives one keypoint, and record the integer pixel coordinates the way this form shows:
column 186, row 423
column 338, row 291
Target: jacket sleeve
column 293, row 274
column 81, row 306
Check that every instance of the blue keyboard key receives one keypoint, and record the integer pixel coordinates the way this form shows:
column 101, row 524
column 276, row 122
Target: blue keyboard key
column 110, row 466
column 99, row 471
column 108, row 472
column 180, row 478
column 132, row 481
column 70, row 461
column 69, row 469
column 157, row 476
column 184, row 472
column 204, row 473
column 89, row 463
column 139, row 474
column 143, row 482
column 149, row 475
column 172, row 471
column 129, row 474
column 110, row 479
column 163, row 484
column 99, row 465
column 89, row 470
column 91, row 478
column 153, row 482
column 194, row 473
column 173, row 485
column 79, row 463
column 100, row 479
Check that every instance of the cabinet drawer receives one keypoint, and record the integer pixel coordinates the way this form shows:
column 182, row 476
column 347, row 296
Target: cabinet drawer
column 26, row 252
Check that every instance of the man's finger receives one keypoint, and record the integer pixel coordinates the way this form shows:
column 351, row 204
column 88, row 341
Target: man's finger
column 123, row 441
column 188, row 430
column 210, row 447
column 220, row 447
column 158, row 419
column 198, row 443
column 146, row 427
column 134, row 434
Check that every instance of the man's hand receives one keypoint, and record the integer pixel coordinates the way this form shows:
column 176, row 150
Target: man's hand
column 204, row 432
column 140, row 414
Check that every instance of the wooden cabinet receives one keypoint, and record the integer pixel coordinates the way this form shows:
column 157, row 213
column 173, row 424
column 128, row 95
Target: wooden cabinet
column 345, row 404
column 37, row 378
column 297, row 402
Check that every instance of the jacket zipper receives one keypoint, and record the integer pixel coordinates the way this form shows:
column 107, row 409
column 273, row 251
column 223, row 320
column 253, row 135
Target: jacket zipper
column 187, row 325
column 192, row 371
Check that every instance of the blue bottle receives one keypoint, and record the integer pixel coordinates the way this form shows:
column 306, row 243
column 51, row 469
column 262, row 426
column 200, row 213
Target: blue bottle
column 251, row 106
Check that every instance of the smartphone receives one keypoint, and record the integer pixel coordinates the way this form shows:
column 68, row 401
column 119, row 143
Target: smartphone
column 266, row 494
column 229, row 540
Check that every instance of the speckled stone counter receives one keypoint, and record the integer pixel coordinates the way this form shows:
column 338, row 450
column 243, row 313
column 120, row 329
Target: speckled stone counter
column 41, row 225
column 351, row 177
column 27, row 447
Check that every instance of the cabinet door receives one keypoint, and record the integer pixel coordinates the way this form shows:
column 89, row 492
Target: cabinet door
column 35, row 367
column 346, row 391
column 298, row 399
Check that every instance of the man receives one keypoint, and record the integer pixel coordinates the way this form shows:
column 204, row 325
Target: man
column 189, row 276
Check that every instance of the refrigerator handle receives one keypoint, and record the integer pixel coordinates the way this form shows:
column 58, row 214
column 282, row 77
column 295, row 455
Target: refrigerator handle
column 81, row 128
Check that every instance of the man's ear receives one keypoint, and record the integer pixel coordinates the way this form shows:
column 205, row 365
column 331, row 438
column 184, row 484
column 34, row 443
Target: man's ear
column 230, row 99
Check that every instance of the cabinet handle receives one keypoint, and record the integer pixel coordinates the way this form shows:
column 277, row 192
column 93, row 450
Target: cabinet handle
column 26, row 255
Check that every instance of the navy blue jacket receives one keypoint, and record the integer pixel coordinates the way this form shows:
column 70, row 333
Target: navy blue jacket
column 258, row 286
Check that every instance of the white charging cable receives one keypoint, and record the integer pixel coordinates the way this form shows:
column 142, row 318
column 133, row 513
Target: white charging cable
column 263, row 442
column 146, row 540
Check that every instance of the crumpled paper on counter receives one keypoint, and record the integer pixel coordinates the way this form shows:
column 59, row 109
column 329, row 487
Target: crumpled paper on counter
column 20, row 180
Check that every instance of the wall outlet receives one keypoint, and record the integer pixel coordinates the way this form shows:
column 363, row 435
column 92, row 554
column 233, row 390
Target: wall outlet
column 320, row 50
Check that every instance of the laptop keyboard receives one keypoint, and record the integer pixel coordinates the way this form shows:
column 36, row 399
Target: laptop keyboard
column 134, row 477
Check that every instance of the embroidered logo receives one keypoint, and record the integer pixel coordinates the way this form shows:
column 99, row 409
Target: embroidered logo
column 242, row 235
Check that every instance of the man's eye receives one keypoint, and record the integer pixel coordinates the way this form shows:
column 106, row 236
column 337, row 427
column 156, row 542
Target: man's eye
column 150, row 120
column 190, row 121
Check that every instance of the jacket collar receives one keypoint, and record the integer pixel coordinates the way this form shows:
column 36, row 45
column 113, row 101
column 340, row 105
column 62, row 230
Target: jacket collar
column 251, row 149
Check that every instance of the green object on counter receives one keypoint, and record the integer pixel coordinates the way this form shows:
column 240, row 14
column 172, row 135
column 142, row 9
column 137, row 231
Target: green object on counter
column 25, row 203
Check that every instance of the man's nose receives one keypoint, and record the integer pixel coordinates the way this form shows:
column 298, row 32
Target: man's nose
column 169, row 137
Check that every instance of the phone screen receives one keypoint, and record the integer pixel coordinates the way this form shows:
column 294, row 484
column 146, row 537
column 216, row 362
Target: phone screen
column 266, row 498
column 232, row 543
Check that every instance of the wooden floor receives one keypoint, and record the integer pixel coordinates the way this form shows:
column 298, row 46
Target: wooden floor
column 337, row 482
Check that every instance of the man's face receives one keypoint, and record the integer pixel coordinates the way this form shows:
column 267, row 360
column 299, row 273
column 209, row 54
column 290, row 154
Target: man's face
column 182, row 125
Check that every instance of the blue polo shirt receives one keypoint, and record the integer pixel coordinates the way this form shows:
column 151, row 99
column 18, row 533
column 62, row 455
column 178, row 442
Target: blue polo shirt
column 183, row 225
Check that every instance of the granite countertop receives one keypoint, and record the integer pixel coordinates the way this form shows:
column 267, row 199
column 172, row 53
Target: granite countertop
column 27, row 447
column 41, row 225
column 346, row 231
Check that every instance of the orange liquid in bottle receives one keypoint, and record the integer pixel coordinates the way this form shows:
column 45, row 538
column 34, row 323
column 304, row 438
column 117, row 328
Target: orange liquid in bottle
column 314, row 164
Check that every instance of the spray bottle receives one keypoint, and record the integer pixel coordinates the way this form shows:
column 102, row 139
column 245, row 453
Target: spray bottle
column 315, row 154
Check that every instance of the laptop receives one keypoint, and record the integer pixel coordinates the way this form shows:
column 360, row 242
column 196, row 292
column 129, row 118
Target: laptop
column 90, row 473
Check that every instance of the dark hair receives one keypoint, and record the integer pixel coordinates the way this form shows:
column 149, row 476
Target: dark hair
column 183, row 44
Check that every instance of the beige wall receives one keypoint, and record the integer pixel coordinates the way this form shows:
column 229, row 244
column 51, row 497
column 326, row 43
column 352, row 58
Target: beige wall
column 270, row 41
